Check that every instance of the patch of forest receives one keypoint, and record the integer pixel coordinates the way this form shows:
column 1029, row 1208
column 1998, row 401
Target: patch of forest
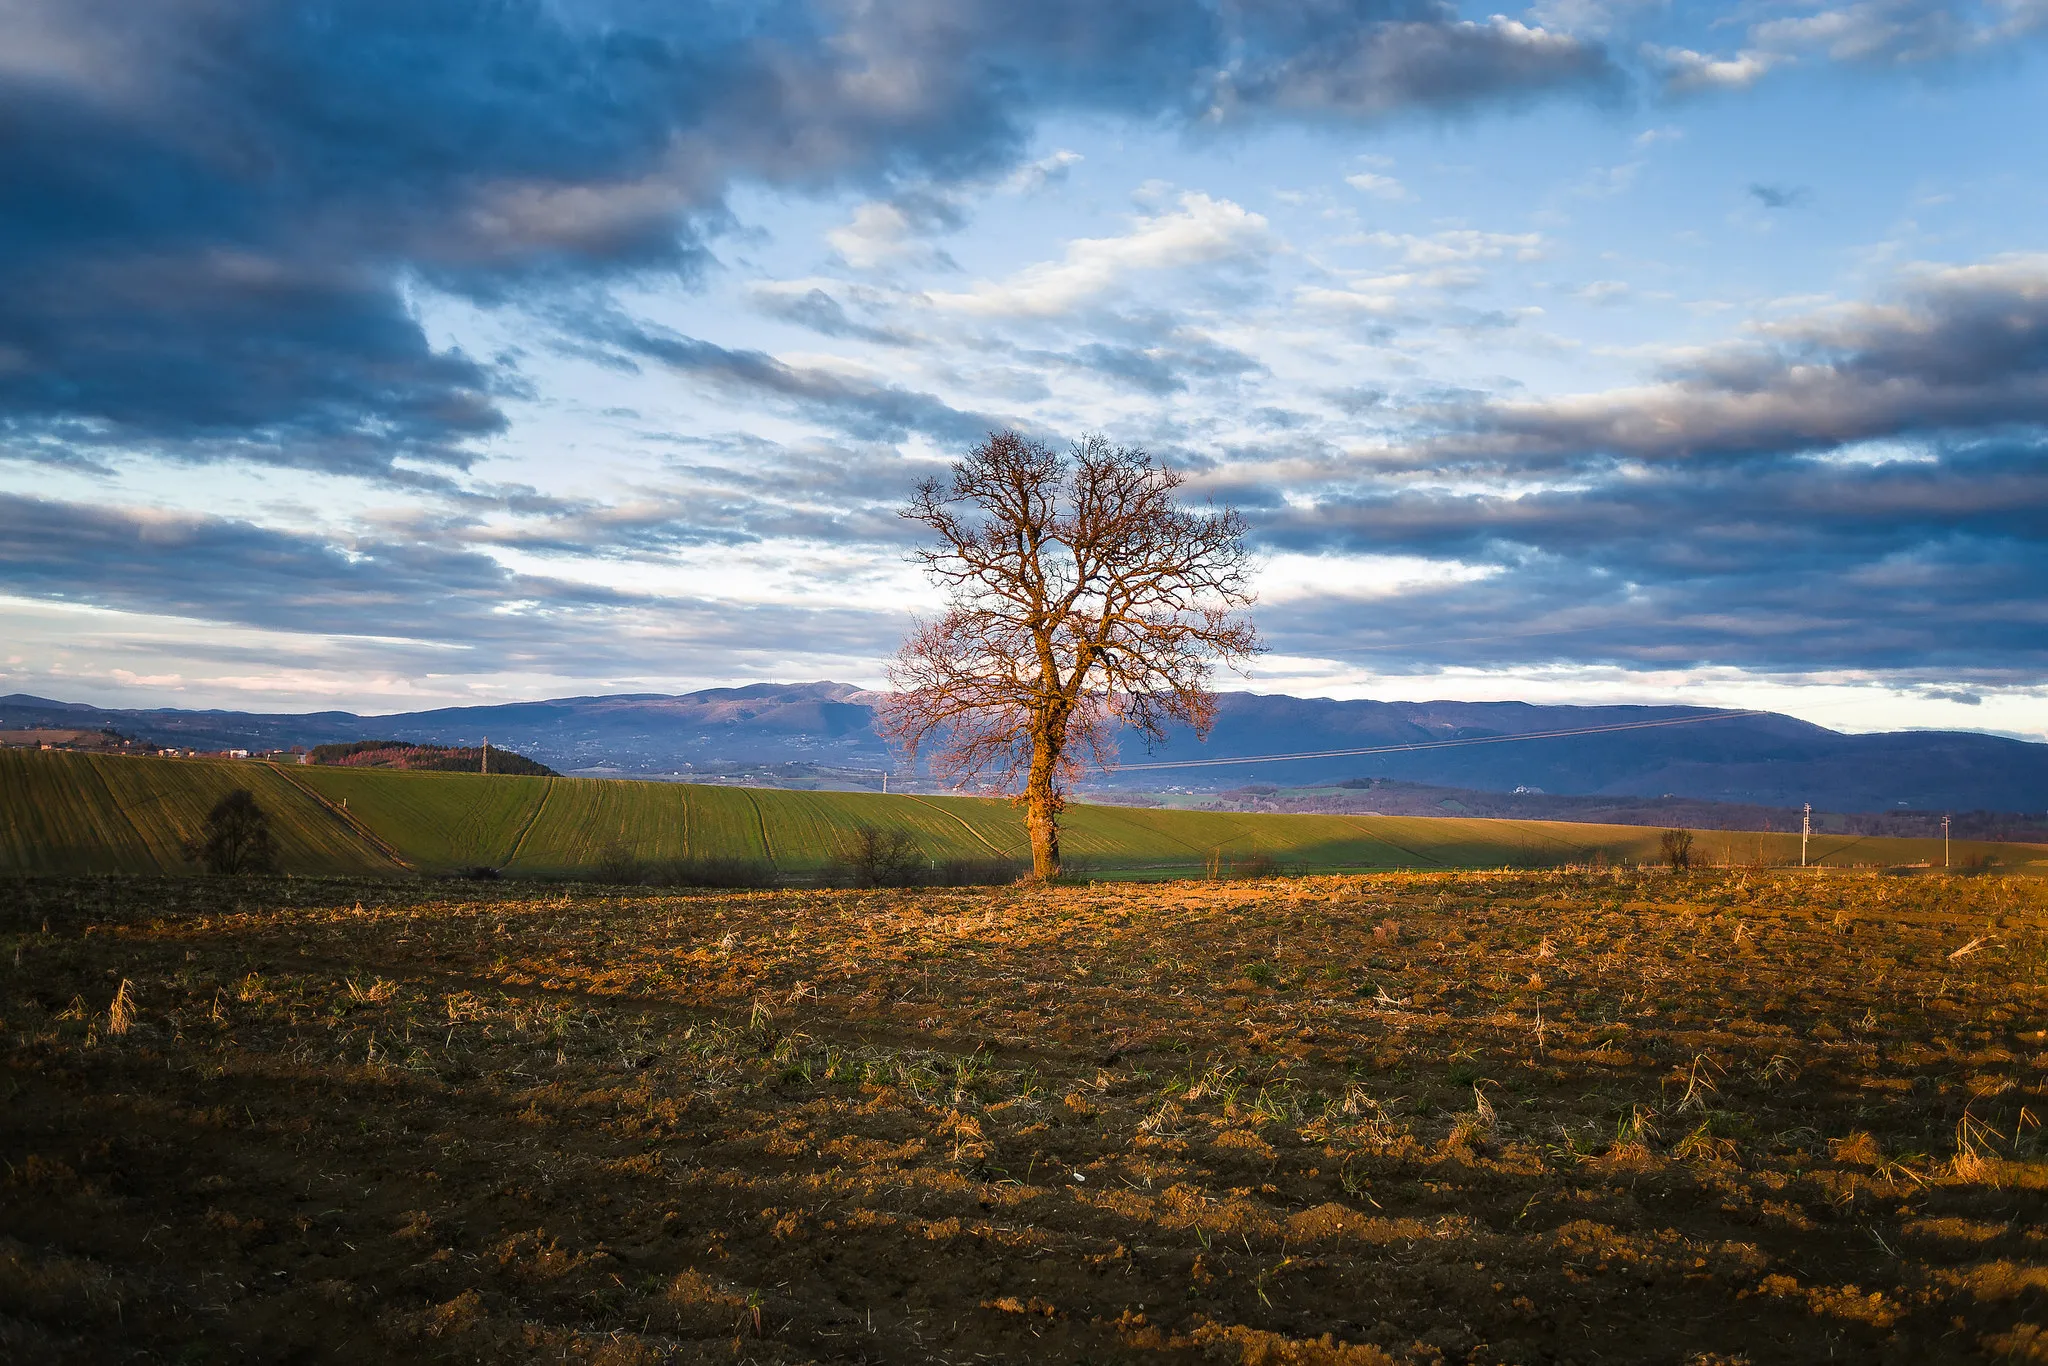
column 434, row 758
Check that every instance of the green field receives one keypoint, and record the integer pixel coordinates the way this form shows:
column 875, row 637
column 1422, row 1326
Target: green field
column 67, row 812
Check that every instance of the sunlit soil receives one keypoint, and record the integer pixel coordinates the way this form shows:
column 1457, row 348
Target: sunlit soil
column 1457, row 1118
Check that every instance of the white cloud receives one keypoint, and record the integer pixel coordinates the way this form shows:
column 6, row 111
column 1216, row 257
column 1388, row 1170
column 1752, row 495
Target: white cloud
column 1324, row 300
column 882, row 234
column 1686, row 71
column 1894, row 32
column 1457, row 244
column 1036, row 175
column 1378, row 186
column 1289, row 577
column 1898, row 31
column 1201, row 232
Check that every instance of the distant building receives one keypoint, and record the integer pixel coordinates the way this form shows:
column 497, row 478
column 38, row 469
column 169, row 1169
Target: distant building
column 238, row 754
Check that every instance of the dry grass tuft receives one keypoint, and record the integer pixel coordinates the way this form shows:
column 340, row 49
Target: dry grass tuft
column 121, row 1014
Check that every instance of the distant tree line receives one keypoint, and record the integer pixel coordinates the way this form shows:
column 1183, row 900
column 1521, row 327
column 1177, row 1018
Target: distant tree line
column 435, row 758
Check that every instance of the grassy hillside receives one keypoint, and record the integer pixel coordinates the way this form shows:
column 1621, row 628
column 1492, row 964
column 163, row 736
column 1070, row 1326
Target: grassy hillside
column 85, row 812
column 82, row 813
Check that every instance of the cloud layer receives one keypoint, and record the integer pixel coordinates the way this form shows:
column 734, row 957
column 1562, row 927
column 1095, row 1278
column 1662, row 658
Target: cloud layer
column 218, row 212
column 381, row 243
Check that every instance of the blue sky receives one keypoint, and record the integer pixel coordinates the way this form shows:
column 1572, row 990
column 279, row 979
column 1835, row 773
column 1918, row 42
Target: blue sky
column 385, row 355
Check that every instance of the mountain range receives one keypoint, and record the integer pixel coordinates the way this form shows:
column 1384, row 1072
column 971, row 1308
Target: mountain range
column 780, row 732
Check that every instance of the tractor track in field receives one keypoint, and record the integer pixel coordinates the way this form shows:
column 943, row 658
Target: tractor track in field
column 985, row 842
column 761, row 824
column 531, row 821
column 347, row 818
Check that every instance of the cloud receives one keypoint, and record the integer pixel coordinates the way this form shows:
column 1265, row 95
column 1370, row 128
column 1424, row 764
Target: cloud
column 217, row 569
column 1957, row 349
column 1373, row 69
column 1171, row 360
column 1902, row 32
column 1896, row 571
column 1034, row 176
column 220, row 217
column 415, row 601
column 883, row 234
column 1457, row 245
column 1893, row 33
column 1860, row 488
column 1201, row 231
column 1378, row 186
column 1604, row 291
column 810, row 306
column 1687, row 72
column 866, row 409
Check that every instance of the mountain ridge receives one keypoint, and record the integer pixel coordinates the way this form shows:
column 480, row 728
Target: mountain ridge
column 1763, row 758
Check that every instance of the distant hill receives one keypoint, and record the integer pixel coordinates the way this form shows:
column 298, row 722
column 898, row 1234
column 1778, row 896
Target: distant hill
column 1387, row 797
column 1762, row 760
column 430, row 758
column 98, row 813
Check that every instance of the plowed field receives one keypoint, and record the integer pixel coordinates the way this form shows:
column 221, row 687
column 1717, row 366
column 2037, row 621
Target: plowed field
column 1431, row 1118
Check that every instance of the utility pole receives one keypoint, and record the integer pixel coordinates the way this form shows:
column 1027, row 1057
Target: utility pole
column 487, row 755
column 1944, row 841
column 1805, row 832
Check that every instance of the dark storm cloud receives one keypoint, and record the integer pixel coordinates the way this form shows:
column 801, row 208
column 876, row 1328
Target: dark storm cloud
column 214, row 210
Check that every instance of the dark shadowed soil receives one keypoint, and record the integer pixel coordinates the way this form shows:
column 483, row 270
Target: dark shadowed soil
column 1591, row 1118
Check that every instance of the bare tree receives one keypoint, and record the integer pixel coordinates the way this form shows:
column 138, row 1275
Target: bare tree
column 1676, row 846
column 1080, row 598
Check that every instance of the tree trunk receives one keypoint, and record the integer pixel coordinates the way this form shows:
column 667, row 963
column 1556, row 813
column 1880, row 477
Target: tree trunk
column 1041, row 810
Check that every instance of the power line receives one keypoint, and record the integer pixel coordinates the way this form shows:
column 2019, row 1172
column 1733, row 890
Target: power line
column 1439, row 744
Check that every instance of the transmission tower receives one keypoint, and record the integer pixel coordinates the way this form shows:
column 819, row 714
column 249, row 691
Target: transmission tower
column 1805, row 832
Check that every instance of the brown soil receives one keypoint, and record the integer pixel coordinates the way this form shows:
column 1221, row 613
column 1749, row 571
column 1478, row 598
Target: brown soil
column 1453, row 1118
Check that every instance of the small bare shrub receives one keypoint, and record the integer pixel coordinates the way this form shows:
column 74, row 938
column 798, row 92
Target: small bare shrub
column 1676, row 848
column 880, row 858
column 1255, row 866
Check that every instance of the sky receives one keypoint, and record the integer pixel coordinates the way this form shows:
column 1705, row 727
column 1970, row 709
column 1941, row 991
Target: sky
column 386, row 355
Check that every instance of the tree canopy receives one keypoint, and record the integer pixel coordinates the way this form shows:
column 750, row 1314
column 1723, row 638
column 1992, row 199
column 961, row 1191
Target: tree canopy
column 1081, row 600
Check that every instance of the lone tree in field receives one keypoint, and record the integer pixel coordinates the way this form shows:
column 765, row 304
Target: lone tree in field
column 237, row 838
column 1080, row 598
